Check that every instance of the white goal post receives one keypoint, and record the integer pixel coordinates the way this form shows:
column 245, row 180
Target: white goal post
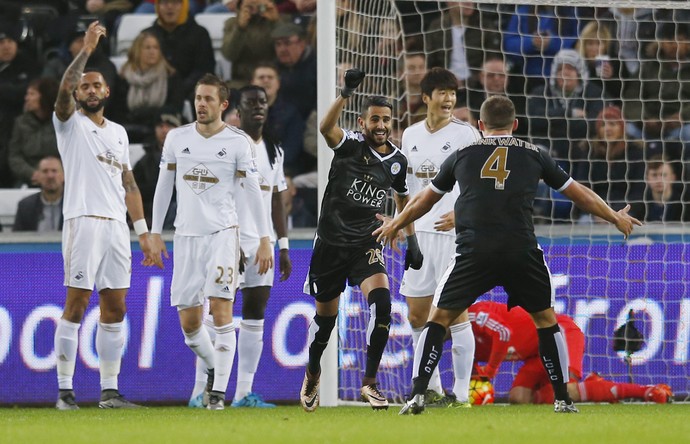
column 598, row 277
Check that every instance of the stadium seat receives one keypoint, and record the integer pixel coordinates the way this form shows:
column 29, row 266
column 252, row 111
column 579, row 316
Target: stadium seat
column 130, row 27
column 9, row 198
column 214, row 24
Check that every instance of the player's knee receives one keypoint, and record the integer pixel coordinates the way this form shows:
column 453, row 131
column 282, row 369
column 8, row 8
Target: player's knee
column 380, row 301
column 323, row 325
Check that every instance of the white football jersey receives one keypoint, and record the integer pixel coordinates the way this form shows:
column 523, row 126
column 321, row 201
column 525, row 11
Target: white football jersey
column 206, row 178
column 271, row 179
column 425, row 153
column 93, row 159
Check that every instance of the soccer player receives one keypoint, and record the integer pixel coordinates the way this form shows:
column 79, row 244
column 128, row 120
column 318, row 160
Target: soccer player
column 496, row 244
column 426, row 145
column 509, row 335
column 256, row 288
column 205, row 161
column 366, row 165
column 99, row 190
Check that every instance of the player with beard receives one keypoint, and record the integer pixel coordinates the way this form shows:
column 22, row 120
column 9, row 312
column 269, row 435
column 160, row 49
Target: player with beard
column 256, row 287
column 99, row 190
column 366, row 165
column 207, row 162
column 496, row 244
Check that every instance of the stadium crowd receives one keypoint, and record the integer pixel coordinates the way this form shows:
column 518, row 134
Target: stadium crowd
column 604, row 89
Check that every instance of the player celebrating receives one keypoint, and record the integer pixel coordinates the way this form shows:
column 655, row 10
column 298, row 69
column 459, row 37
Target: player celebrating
column 426, row 145
column 205, row 161
column 365, row 166
column 496, row 244
column 509, row 335
column 99, row 189
column 256, row 288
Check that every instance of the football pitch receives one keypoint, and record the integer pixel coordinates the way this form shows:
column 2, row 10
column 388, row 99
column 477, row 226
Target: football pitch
column 596, row 424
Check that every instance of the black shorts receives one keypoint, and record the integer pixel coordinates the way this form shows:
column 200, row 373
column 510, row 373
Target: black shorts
column 522, row 274
column 331, row 266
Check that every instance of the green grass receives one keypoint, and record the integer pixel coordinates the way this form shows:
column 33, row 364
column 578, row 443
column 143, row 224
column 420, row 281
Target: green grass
column 619, row 424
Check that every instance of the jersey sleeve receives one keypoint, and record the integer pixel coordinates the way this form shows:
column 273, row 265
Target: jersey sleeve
column 492, row 325
column 445, row 179
column 168, row 154
column 279, row 182
column 553, row 175
column 350, row 141
column 400, row 180
column 125, row 157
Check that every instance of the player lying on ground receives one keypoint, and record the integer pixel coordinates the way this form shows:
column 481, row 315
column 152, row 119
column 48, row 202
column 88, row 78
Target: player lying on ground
column 509, row 335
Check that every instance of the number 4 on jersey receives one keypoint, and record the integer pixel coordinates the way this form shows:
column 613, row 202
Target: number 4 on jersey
column 495, row 167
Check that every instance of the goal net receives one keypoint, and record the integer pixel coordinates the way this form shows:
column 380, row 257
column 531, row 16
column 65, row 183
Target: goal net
column 607, row 91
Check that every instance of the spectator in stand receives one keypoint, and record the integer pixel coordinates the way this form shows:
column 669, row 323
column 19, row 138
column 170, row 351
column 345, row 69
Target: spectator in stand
column 33, row 135
column 284, row 124
column 247, row 38
column 563, row 112
column 510, row 335
column 148, row 167
column 661, row 99
column 412, row 106
column 99, row 61
column 150, row 7
column 16, row 71
column 186, row 45
column 663, row 195
column 150, row 81
column 461, row 39
column 296, row 66
column 603, row 69
column 493, row 80
column 614, row 167
column 534, row 35
column 43, row 211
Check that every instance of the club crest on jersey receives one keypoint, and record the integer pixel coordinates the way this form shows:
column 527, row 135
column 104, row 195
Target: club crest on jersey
column 222, row 153
column 200, row 178
column 110, row 163
column 446, row 147
column 395, row 168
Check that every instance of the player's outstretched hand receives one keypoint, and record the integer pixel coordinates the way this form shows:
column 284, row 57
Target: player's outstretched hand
column 626, row 222
column 386, row 234
column 413, row 255
column 152, row 245
column 446, row 222
column 353, row 78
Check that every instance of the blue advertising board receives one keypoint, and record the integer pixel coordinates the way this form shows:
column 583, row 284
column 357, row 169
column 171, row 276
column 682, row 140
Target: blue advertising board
column 595, row 284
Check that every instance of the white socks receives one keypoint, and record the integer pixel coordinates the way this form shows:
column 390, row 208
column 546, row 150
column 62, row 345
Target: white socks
column 463, row 357
column 201, row 373
column 66, row 341
column 249, row 347
column 109, row 344
column 435, row 381
column 223, row 356
column 200, row 343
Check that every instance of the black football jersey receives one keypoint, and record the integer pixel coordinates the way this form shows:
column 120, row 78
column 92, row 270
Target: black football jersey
column 358, row 183
column 498, row 178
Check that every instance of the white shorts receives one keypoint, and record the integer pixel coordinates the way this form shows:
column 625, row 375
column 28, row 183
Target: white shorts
column 251, row 277
column 96, row 251
column 205, row 266
column 438, row 251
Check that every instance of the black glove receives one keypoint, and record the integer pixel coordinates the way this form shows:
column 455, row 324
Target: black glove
column 353, row 78
column 413, row 255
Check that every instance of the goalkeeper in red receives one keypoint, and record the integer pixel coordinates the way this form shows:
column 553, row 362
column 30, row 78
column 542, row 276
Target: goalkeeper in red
column 496, row 244
column 509, row 335
column 365, row 166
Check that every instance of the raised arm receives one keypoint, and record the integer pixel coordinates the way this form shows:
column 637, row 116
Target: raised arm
column 64, row 105
column 329, row 125
column 589, row 201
